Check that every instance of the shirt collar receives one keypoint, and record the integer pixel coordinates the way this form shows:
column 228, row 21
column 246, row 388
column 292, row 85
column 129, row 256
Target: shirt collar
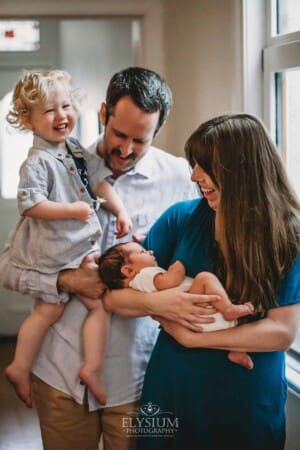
column 57, row 152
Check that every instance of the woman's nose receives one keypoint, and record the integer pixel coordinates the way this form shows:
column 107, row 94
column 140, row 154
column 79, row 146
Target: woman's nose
column 197, row 173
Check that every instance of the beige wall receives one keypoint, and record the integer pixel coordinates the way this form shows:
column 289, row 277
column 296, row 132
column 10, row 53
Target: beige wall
column 195, row 44
column 203, row 48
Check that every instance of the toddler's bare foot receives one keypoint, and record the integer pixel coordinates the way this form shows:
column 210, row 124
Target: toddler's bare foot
column 233, row 312
column 20, row 381
column 241, row 358
column 92, row 380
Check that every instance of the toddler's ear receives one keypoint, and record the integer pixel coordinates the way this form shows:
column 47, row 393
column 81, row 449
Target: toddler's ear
column 26, row 122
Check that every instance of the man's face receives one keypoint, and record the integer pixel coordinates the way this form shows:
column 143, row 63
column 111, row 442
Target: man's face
column 128, row 135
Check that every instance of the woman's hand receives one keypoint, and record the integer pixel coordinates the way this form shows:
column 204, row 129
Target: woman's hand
column 84, row 281
column 186, row 309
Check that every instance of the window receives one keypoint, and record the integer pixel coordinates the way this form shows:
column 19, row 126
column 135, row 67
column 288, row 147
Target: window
column 286, row 16
column 19, row 36
column 14, row 148
column 281, row 58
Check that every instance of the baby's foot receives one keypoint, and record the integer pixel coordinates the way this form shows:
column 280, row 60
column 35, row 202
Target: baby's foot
column 92, row 380
column 241, row 358
column 235, row 311
column 20, row 381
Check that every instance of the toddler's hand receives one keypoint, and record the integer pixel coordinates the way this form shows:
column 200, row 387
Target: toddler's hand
column 124, row 224
column 81, row 211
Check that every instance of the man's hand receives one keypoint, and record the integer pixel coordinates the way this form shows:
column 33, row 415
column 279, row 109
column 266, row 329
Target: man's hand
column 84, row 281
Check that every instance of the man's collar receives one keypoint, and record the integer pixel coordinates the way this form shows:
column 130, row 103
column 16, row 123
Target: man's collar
column 144, row 166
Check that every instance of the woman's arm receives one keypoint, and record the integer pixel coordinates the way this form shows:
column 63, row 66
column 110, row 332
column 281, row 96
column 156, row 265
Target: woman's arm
column 276, row 332
column 174, row 304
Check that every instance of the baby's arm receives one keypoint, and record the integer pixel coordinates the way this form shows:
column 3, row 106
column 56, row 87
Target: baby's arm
column 48, row 210
column 113, row 204
column 172, row 278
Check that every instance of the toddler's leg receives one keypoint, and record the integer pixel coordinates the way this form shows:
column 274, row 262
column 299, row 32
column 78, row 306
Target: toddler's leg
column 30, row 337
column 208, row 283
column 95, row 332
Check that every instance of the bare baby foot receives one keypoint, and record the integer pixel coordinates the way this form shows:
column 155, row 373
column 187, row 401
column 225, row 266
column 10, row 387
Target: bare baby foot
column 20, row 380
column 241, row 358
column 233, row 312
column 91, row 378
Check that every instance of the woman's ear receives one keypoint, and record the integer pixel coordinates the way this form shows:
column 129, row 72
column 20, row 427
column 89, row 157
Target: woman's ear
column 128, row 271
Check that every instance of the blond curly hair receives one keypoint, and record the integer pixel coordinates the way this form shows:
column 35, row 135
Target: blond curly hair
column 35, row 88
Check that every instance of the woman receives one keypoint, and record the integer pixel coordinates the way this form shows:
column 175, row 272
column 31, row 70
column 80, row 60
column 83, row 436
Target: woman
column 246, row 229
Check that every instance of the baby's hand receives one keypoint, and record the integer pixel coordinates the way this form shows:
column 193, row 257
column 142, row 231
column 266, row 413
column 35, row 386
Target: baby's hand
column 81, row 211
column 177, row 266
column 124, row 224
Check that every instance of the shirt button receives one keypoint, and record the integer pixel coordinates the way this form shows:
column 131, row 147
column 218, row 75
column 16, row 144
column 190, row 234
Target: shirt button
column 68, row 156
column 98, row 232
column 24, row 193
column 72, row 168
column 59, row 155
column 82, row 189
column 93, row 242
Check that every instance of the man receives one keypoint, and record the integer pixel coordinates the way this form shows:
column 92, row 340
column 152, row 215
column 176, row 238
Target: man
column 147, row 180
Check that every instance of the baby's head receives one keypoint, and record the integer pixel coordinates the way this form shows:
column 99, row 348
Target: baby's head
column 37, row 89
column 120, row 263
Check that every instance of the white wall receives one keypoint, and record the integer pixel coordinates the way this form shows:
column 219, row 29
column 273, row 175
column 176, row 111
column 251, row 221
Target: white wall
column 91, row 51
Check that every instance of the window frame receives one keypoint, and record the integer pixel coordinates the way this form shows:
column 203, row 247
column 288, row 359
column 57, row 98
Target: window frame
column 265, row 54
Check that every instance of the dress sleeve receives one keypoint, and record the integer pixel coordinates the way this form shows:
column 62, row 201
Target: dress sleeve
column 289, row 292
column 33, row 184
column 162, row 236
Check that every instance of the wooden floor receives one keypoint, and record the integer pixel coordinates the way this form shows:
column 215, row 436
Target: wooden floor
column 19, row 429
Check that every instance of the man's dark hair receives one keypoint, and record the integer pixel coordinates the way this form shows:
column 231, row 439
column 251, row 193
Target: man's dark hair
column 145, row 87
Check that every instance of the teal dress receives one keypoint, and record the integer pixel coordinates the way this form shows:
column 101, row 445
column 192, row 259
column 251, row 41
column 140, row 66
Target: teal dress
column 196, row 399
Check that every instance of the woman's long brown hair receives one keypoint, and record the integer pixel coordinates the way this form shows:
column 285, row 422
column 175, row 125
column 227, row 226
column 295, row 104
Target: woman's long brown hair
column 258, row 215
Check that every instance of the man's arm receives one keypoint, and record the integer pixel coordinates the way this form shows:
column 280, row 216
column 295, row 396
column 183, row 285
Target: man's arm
column 84, row 281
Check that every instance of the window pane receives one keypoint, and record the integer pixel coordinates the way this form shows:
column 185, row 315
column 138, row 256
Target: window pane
column 288, row 120
column 288, row 16
column 287, row 136
column 14, row 147
column 19, row 36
